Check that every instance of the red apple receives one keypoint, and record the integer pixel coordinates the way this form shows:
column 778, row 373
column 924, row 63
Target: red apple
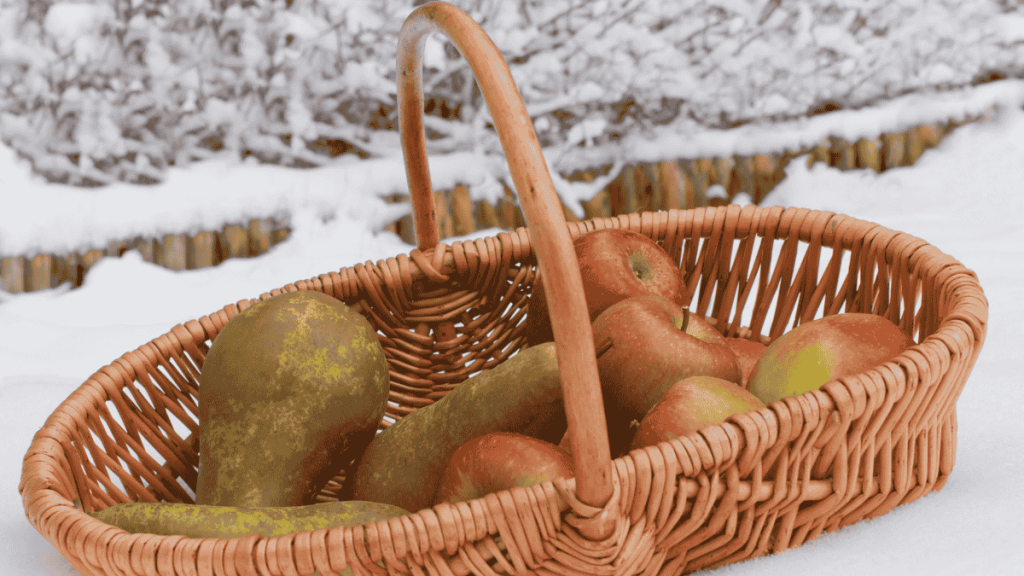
column 692, row 404
column 644, row 345
column 747, row 353
column 499, row 461
column 614, row 264
column 815, row 352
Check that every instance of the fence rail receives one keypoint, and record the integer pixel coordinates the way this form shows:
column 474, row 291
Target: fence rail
column 649, row 187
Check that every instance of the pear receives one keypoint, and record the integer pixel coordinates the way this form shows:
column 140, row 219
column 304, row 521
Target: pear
column 198, row 521
column 404, row 463
column 292, row 390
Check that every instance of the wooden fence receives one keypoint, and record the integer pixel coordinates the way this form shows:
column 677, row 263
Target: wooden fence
column 650, row 187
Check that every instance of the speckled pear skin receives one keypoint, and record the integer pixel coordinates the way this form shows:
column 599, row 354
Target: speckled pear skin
column 198, row 521
column 403, row 464
column 292, row 390
column 813, row 353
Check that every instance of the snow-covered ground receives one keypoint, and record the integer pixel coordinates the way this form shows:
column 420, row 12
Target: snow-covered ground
column 964, row 197
column 40, row 218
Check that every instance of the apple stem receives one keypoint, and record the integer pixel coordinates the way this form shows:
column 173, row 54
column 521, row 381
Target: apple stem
column 686, row 317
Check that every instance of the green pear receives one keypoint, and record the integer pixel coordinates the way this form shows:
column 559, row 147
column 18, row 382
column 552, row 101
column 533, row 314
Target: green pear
column 199, row 521
column 292, row 390
column 404, row 463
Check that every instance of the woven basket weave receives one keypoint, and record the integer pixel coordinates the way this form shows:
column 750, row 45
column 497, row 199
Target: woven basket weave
column 761, row 482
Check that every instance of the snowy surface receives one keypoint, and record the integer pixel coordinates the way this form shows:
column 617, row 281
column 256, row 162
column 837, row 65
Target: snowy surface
column 40, row 217
column 963, row 197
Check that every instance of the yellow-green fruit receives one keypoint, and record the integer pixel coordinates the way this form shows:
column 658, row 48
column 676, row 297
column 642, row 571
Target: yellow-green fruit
column 292, row 390
column 404, row 463
column 816, row 352
column 198, row 521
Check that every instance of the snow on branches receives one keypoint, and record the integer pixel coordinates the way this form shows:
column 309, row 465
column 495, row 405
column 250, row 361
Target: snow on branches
column 116, row 90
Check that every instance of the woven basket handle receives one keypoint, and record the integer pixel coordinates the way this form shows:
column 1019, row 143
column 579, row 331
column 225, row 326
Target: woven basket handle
column 574, row 341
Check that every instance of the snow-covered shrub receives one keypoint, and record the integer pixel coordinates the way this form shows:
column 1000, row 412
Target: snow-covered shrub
column 101, row 90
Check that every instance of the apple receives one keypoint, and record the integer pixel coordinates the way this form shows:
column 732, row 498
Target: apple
column 499, row 461
column 692, row 404
column 821, row 350
column 644, row 345
column 614, row 264
column 747, row 352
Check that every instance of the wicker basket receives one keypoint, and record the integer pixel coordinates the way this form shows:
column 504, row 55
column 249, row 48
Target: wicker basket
column 761, row 482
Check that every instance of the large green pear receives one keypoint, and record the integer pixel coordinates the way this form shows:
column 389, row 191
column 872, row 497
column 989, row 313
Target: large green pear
column 404, row 463
column 292, row 390
column 821, row 350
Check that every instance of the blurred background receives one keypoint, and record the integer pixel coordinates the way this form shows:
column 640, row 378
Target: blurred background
column 160, row 159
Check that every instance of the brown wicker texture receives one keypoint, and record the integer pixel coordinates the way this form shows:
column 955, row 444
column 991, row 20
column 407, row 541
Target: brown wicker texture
column 761, row 482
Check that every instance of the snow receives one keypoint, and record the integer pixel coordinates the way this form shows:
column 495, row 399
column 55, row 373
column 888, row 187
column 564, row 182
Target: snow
column 90, row 220
column 39, row 217
column 963, row 197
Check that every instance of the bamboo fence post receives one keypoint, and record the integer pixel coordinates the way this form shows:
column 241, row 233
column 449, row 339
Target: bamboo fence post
column 172, row 252
column 202, row 250
column 893, row 150
column 485, row 214
column 40, row 268
column 89, row 259
column 72, row 271
column 235, row 241
column 12, row 272
column 744, row 176
column 722, row 173
column 259, row 236
column 618, row 193
column 820, row 153
column 672, row 183
column 868, row 154
column 445, row 227
column 146, row 247
column 116, row 248
column 462, row 211
column 701, row 169
column 845, row 157
column 766, row 167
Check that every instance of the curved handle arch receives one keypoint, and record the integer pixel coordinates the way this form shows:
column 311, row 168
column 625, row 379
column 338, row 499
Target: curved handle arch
column 542, row 210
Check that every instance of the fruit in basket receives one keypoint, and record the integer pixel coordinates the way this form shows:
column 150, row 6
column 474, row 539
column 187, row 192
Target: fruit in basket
column 747, row 352
column 614, row 264
column 644, row 345
column 499, row 461
column 199, row 521
column 292, row 390
column 403, row 464
column 692, row 404
column 815, row 352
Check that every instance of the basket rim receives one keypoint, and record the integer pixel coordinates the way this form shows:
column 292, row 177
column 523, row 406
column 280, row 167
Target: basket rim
column 713, row 446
